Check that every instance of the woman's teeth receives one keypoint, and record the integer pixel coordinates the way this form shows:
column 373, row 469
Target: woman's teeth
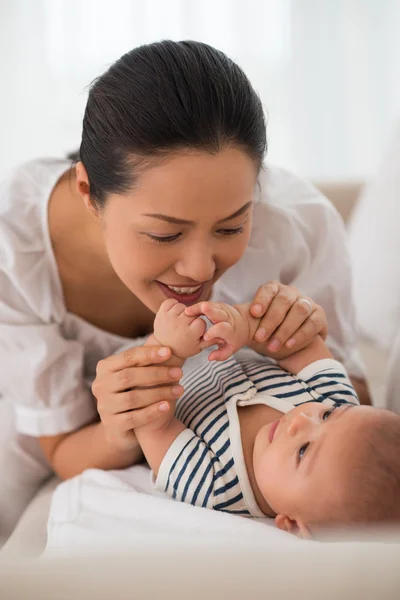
column 185, row 290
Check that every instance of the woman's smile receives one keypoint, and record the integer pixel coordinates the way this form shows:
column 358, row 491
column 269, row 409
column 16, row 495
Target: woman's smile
column 184, row 294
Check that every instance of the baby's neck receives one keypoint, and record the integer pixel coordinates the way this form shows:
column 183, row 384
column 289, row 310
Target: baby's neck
column 252, row 419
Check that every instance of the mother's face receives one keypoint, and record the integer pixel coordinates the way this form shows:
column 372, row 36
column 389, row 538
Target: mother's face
column 186, row 222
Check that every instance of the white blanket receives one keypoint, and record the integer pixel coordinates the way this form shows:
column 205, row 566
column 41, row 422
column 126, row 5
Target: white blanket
column 123, row 506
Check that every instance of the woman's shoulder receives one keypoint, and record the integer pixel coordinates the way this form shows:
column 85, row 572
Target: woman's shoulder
column 280, row 188
column 29, row 184
column 24, row 244
column 293, row 225
column 290, row 210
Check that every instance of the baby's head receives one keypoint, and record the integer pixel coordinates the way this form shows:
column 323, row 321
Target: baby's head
column 320, row 466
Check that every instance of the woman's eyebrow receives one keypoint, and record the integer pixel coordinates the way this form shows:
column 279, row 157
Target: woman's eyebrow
column 177, row 221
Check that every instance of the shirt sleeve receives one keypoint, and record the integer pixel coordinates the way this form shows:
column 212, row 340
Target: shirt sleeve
column 327, row 379
column 191, row 472
column 41, row 373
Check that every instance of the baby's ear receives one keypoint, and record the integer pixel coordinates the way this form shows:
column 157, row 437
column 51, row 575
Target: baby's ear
column 294, row 526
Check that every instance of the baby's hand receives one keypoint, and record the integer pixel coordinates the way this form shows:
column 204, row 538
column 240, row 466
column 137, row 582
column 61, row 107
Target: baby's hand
column 230, row 330
column 175, row 329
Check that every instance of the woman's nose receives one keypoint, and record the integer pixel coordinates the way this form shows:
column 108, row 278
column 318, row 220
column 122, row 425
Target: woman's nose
column 196, row 263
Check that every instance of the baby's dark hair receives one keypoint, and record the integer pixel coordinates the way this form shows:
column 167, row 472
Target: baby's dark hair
column 371, row 490
column 162, row 98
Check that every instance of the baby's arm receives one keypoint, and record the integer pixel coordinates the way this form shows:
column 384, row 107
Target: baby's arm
column 316, row 350
column 184, row 335
column 325, row 380
column 187, row 469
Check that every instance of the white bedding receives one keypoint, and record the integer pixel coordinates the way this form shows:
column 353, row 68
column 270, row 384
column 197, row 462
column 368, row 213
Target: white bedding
column 123, row 506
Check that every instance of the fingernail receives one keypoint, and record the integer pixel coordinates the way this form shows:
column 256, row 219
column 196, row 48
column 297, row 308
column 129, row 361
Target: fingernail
column 260, row 334
column 206, row 337
column 163, row 407
column 274, row 345
column 175, row 373
column 257, row 309
column 163, row 352
column 290, row 343
column 177, row 390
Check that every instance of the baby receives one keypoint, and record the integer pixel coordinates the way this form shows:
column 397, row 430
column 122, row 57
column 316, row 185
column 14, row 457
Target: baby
column 288, row 441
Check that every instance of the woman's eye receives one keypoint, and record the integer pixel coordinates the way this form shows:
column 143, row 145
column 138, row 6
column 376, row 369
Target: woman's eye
column 302, row 451
column 231, row 231
column 164, row 239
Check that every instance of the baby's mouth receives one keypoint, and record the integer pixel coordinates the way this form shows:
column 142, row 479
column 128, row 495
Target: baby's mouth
column 272, row 429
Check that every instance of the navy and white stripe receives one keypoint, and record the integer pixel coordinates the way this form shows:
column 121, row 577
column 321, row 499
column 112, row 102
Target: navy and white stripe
column 201, row 468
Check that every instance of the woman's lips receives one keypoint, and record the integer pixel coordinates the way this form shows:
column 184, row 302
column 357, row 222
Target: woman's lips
column 183, row 298
column 272, row 429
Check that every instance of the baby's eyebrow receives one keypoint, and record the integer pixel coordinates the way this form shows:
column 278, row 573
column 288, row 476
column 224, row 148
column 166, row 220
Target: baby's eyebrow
column 316, row 448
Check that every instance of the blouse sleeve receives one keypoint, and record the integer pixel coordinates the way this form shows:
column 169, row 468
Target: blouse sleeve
column 41, row 373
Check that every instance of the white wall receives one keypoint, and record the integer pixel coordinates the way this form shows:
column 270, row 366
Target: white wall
column 327, row 70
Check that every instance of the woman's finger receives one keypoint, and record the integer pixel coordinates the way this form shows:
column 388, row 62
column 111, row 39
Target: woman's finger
column 142, row 377
column 276, row 313
column 297, row 315
column 314, row 325
column 263, row 298
column 139, row 356
column 139, row 398
column 128, row 421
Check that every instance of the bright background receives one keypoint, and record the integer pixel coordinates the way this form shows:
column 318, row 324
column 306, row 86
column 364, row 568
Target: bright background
column 328, row 71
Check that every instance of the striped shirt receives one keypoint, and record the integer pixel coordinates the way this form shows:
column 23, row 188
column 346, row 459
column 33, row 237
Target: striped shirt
column 205, row 465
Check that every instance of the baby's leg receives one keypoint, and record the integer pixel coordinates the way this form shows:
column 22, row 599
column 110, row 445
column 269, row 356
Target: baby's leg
column 22, row 470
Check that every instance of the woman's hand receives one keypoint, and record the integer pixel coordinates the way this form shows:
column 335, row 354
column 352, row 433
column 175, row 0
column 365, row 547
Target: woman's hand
column 133, row 389
column 289, row 320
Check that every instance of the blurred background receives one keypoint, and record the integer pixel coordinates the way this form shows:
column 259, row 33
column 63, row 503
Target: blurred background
column 327, row 71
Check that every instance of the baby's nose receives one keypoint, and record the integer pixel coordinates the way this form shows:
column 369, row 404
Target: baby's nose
column 300, row 422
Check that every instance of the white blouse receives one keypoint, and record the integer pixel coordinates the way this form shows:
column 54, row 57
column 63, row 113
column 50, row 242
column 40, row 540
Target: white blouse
column 48, row 356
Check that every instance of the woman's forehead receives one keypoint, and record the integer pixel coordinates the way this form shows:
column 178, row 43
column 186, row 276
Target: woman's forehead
column 192, row 185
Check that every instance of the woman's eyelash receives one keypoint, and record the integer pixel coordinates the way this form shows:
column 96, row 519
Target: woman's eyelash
column 231, row 231
column 167, row 239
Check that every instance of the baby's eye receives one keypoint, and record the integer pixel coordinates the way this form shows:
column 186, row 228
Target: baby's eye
column 302, row 451
column 328, row 413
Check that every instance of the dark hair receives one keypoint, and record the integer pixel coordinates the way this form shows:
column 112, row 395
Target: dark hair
column 166, row 97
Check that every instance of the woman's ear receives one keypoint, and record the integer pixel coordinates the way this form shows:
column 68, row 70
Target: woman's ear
column 294, row 526
column 83, row 188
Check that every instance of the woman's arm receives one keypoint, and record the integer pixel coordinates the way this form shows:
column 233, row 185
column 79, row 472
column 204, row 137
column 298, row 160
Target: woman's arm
column 88, row 448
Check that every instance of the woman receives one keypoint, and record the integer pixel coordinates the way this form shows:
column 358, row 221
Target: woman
column 169, row 199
